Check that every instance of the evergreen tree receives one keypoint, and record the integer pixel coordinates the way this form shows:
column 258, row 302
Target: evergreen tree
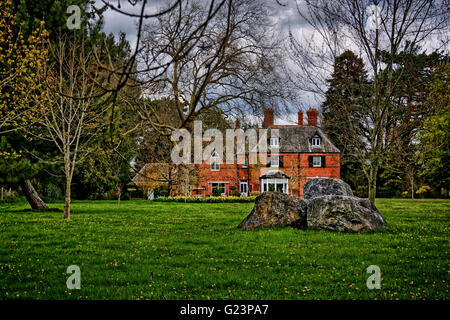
column 342, row 110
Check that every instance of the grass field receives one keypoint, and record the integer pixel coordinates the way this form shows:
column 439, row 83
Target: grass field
column 145, row 250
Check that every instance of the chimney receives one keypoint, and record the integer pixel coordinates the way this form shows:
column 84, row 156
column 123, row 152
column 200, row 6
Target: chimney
column 268, row 118
column 312, row 116
column 300, row 117
column 237, row 124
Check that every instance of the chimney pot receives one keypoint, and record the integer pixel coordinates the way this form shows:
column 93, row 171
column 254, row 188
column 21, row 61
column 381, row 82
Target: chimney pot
column 300, row 117
column 312, row 116
column 268, row 118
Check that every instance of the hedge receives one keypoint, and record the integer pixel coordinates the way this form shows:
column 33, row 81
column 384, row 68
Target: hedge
column 205, row 199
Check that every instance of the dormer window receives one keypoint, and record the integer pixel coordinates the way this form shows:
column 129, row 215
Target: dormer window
column 275, row 142
column 215, row 163
column 315, row 141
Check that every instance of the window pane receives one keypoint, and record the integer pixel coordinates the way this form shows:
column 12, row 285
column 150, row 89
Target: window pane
column 274, row 161
column 317, row 161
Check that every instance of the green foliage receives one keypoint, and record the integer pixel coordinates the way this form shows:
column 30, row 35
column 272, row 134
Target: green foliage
column 344, row 108
column 236, row 193
column 12, row 198
column 53, row 12
column 153, row 250
column 216, row 192
column 213, row 199
column 435, row 136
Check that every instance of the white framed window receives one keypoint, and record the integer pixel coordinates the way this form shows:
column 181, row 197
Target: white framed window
column 215, row 162
column 274, row 161
column 317, row 161
column 315, row 142
column 275, row 142
column 219, row 185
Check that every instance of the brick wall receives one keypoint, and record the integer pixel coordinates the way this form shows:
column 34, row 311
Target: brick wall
column 295, row 165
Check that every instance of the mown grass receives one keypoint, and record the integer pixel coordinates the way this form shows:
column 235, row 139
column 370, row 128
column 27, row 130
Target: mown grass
column 151, row 250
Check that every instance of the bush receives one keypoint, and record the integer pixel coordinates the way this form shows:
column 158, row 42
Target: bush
column 206, row 199
column 53, row 192
column 125, row 196
column 236, row 193
column 255, row 193
column 216, row 192
column 13, row 198
column 361, row 192
column 162, row 191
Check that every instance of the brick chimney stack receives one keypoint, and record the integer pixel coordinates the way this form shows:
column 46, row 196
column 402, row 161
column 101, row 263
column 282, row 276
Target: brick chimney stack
column 237, row 124
column 268, row 118
column 300, row 117
column 312, row 114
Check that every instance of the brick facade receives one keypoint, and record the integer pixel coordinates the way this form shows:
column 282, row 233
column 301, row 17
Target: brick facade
column 297, row 165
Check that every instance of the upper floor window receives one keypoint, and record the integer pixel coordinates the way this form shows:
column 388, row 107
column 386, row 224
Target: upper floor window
column 315, row 142
column 275, row 142
column 317, row 161
column 215, row 162
column 274, row 161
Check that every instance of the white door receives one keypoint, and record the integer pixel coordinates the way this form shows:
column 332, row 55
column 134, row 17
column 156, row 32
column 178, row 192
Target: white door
column 244, row 188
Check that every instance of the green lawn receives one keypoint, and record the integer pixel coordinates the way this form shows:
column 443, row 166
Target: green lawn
column 145, row 250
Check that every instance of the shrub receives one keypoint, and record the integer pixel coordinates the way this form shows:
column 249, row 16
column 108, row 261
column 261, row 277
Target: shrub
column 162, row 191
column 125, row 196
column 216, row 192
column 423, row 190
column 13, row 198
column 236, row 193
column 255, row 193
column 53, row 192
column 213, row 199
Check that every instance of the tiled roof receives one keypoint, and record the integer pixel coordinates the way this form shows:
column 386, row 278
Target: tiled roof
column 298, row 139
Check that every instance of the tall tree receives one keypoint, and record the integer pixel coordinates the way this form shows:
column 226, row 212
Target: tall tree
column 372, row 26
column 435, row 136
column 22, row 62
column 73, row 117
column 343, row 110
column 232, row 65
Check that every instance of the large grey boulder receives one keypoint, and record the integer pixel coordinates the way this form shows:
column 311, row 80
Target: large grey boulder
column 274, row 209
column 343, row 213
column 323, row 187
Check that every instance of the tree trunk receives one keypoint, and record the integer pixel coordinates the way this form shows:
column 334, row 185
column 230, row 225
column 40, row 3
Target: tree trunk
column 32, row 196
column 372, row 185
column 67, row 201
column 412, row 187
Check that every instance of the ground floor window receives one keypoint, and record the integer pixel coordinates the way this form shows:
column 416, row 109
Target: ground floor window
column 278, row 185
column 217, row 188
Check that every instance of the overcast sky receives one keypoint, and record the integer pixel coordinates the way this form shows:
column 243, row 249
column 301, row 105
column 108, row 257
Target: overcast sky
column 284, row 15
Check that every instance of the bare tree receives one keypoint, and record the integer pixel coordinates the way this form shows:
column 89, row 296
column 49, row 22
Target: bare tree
column 234, row 65
column 73, row 116
column 380, row 30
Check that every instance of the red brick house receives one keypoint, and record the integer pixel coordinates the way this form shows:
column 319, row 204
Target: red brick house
column 304, row 152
